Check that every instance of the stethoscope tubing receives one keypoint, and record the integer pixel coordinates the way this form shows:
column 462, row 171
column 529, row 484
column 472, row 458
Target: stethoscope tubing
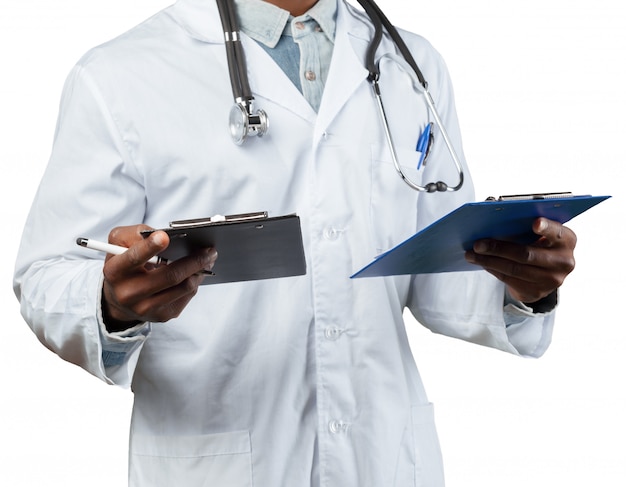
column 234, row 52
column 379, row 19
column 430, row 187
column 446, row 139
column 249, row 123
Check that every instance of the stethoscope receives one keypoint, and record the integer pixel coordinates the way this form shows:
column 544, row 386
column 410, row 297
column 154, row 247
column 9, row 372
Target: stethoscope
column 245, row 121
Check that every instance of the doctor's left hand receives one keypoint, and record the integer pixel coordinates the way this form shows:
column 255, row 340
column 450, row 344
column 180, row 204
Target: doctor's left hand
column 531, row 272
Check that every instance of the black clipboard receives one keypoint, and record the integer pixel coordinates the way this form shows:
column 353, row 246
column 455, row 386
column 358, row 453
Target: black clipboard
column 441, row 246
column 250, row 246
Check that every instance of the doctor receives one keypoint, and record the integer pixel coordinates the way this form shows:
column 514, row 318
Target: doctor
column 301, row 381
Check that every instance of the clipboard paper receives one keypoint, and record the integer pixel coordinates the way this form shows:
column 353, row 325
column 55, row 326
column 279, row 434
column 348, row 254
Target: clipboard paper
column 248, row 248
column 441, row 246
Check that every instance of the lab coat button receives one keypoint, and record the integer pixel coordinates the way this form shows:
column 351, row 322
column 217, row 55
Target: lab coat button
column 331, row 233
column 337, row 427
column 332, row 333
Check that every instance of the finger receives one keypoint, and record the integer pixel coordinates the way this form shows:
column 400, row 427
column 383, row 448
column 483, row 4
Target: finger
column 128, row 288
column 528, row 283
column 173, row 274
column 127, row 236
column 522, row 290
column 553, row 233
column 126, row 305
column 545, row 254
column 506, row 262
column 525, row 262
column 138, row 254
column 488, row 251
column 168, row 303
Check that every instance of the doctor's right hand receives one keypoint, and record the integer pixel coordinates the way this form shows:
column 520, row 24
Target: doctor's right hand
column 135, row 291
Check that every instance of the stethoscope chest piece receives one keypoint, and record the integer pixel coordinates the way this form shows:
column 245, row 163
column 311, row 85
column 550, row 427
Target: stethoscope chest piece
column 242, row 122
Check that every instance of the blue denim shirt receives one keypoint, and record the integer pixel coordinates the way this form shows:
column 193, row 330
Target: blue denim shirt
column 302, row 46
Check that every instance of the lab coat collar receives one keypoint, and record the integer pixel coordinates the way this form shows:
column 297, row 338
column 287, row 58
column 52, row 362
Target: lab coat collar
column 265, row 22
column 261, row 20
column 347, row 72
column 200, row 18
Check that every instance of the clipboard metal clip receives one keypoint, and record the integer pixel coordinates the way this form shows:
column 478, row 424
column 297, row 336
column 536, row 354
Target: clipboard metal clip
column 219, row 219
column 531, row 196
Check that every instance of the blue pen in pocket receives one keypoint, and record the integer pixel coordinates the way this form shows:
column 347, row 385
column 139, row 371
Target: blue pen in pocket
column 423, row 144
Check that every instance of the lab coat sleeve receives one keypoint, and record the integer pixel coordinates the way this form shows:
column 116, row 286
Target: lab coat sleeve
column 468, row 305
column 90, row 186
column 529, row 332
column 471, row 306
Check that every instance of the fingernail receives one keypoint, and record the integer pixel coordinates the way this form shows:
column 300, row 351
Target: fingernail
column 543, row 225
column 470, row 257
column 208, row 258
column 481, row 247
column 158, row 238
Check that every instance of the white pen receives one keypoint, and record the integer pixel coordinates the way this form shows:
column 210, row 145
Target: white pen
column 114, row 249
column 89, row 243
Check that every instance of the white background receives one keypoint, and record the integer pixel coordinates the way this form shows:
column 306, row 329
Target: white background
column 541, row 97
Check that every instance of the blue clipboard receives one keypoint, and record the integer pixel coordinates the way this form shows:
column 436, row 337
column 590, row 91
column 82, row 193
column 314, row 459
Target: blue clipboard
column 441, row 246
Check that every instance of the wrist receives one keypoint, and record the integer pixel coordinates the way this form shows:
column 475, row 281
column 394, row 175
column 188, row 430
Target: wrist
column 114, row 325
column 545, row 304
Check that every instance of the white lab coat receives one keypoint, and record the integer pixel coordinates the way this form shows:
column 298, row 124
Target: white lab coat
column 298, row 381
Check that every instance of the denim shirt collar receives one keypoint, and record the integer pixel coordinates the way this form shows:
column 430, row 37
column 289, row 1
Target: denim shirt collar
column 265, row 22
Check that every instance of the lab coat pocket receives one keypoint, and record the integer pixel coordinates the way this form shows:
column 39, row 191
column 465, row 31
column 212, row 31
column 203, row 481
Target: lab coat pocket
column 428, row 460
column 192, row 461
column 393, row 204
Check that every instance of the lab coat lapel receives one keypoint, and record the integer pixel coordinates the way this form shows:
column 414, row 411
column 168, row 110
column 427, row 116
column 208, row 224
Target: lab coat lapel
column 267, row 80
column 347, row 70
